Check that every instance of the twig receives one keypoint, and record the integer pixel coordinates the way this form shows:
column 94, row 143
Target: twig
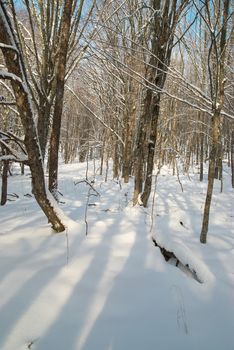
column 88, row 183
column 87, row 202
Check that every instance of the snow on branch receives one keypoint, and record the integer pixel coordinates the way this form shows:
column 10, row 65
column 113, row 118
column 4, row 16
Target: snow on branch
column 10, row 76
column 8, row 47
column 4, row 102
column 15, row 152
column 95, row 115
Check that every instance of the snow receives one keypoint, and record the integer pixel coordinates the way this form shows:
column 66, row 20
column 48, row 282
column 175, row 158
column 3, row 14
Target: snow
column 17, row 156
column 112, row 289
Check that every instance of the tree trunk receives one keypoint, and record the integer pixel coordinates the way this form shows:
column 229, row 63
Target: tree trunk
column 151, row 151
column 232, row 157
column 4, row 182
column 43, row 125
column 140, row 149
column 116, row 159
column 201, row 156
column 58, row 108
column 211, row 174
column 15, row 66
column 127, row 156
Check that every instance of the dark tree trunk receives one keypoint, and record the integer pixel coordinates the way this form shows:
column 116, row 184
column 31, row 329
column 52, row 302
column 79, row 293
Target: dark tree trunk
column 4, row 181
column 116, row 159
column 58, row 108
column 151, row 151
column 211, row 174
column 22, row 168
column 201, row 157
column 127, row 156
column 140, row 150
column 232, row 157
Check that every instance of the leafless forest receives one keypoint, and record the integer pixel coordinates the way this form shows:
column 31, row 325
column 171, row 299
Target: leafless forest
column 136, row 84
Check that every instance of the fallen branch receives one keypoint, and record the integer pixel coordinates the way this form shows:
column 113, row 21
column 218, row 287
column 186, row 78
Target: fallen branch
column 171, row 255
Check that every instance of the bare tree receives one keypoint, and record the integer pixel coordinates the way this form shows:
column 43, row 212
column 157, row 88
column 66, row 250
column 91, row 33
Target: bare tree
column 216, row 19
column 60, row 84
column 165, row 16
column 18, row 78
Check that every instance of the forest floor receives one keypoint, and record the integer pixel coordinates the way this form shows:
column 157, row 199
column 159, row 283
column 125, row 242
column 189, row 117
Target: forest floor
column 112, row 289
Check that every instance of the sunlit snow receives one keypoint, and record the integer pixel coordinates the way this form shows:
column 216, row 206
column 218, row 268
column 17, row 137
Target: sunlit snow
column 112, row 289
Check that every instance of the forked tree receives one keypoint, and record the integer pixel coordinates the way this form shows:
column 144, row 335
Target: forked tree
column 17, row 75
column 165, row 16
column 52, row 39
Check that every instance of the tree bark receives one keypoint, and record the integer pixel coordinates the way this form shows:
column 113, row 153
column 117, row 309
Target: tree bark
column 201, row 156
column 43, row 125
column 58, row 108
column 151, row 150
column 4, row 182
column 211, row 175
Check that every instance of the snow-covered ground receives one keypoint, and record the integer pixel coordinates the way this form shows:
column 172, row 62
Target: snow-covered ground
column 112, row 289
